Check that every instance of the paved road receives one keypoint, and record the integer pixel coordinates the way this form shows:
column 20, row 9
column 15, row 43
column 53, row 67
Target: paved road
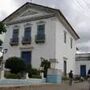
column 76, row 86
column 63, row 86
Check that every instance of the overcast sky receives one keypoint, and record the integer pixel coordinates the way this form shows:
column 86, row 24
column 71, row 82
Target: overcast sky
column 76, row 11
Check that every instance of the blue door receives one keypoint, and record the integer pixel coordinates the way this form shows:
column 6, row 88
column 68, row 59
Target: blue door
column 83, row 70
column 26, row 56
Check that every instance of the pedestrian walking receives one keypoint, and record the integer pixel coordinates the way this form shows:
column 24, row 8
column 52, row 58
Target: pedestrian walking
column 70, row 77
column 88, row 73
column 89, row 78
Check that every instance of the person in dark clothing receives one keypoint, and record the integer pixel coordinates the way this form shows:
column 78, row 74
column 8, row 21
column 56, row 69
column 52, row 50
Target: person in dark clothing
column 89, row 78
column 89, row 73
column 70, row 77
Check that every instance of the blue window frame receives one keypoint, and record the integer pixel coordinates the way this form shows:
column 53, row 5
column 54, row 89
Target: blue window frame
column 27, row 32
column 41, row 29
column 15, row 33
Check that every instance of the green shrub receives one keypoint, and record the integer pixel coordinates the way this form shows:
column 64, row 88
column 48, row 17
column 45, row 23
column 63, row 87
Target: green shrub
column 65, row 78
column 36, row 76
column 32, row 72
column 29, row 70
column 11, row 76
column 2, row 27
column 15, row 64
column 77, row 78
column 35, row 72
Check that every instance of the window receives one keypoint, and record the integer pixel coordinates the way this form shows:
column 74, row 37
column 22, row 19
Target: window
column 40, row 37
column 65, row 33
column 71, row 42
column 41, row 29
column 27, row 36
column 27, row 32
column 15, row 33
column 14, row 40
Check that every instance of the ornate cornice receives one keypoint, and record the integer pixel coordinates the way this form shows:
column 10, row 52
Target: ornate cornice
column 41, row 8
column 30, row 19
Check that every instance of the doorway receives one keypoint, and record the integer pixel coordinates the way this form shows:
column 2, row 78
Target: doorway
column 26, row 56
column 65, row 68
column 83, row 70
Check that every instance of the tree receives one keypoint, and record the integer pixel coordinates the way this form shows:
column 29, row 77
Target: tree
column 1, row 42
column 45, row 64
column 15, row 64
column 2, row 27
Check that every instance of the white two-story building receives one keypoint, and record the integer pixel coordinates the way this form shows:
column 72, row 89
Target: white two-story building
column 35, row 31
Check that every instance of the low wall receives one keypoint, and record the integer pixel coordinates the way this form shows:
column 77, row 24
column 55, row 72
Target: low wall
column 33, row 87
column 20, row 82
column 54, row 76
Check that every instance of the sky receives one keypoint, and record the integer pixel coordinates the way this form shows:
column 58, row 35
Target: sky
column 77, row 13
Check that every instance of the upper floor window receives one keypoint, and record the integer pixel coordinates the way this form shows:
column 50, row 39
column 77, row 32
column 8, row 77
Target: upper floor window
column 27, row 36
column 41, row 29
column 65, row 36
column 71, row 42
column 27, row 32
column 15, row 33
column 15, row 40
column 40, row 37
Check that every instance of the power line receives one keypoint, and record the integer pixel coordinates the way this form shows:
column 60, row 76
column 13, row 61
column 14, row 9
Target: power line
column 84, row 9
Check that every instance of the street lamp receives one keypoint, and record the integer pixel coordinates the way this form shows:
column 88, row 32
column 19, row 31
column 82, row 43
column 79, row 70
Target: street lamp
column 4, row 51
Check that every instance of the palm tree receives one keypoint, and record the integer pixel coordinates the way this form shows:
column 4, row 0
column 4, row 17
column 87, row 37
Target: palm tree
column 45, row 64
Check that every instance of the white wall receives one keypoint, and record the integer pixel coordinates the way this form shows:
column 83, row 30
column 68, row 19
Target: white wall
column 54, row 46
column 64, row 50
column 46, row 50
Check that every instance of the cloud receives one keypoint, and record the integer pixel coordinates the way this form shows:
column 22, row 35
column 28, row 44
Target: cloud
column 6, row 8
column 76, row 11
column 20, row 2
column 2, row 14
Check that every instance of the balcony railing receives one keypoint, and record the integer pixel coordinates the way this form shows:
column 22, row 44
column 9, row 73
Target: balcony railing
column 26, row 40
column 14, row 41
column 40, row 38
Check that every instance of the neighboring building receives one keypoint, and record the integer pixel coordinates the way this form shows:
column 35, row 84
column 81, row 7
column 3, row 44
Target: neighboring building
column 82, row 64
column 35, row 31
